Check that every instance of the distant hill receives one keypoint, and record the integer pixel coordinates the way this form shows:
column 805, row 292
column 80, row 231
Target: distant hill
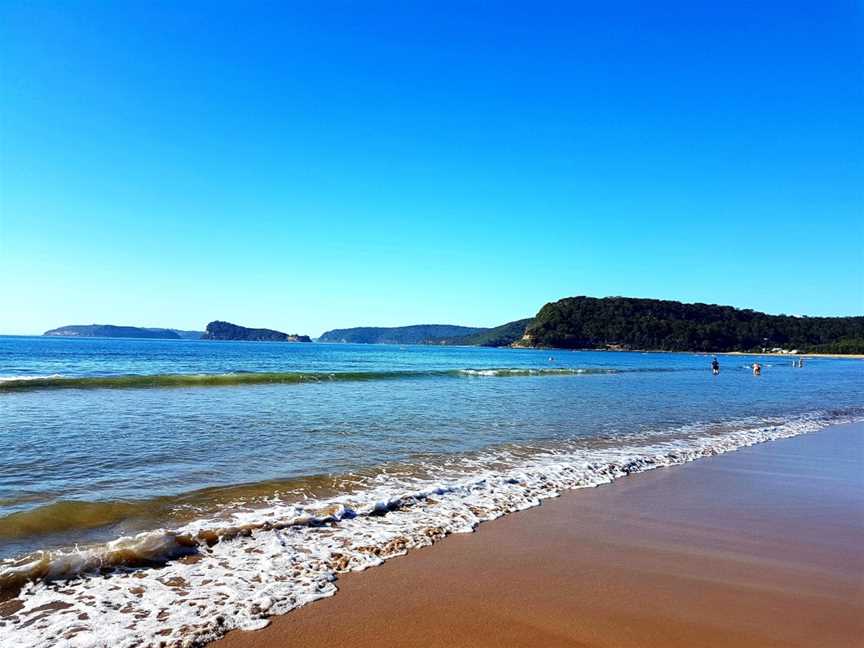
column 417, row 334
column 653, row 324
column 226, row 331
column 111, row 331
column 186, row 335
column 499, row 336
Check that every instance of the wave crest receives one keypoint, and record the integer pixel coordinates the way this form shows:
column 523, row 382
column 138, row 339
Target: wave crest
column 135, row 381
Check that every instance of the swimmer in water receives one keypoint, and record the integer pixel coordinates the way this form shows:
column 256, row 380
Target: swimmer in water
column 757, row 369
column 715, row 366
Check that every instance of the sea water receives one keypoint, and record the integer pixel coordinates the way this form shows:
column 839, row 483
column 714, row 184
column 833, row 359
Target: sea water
column 167, row 491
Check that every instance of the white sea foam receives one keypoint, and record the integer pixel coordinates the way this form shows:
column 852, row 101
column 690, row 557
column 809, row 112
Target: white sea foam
column 254, row 563
column 546, row 371
column 28, row 377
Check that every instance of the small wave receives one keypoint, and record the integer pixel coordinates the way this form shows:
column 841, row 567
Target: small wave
column 27, row 377
column 73, row 517
column 64, row 516
column 548, row 371
column 225, row 572
column 137, row 381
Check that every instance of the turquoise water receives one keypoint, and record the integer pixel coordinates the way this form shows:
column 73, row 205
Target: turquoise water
column 280, row 465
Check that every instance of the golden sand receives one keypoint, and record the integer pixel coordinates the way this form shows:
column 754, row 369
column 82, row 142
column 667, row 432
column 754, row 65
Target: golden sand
column 760, row 547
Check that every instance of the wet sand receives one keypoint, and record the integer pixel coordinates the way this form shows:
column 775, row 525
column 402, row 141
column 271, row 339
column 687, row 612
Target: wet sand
column 759, row 547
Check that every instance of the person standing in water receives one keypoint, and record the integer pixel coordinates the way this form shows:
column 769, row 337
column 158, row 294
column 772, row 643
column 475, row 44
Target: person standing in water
column 715, row 366
column 757, row 369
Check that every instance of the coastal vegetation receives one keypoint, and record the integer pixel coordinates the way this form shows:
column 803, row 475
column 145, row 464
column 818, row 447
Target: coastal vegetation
column 499, row 336
column 846, row 346
column 653, row 324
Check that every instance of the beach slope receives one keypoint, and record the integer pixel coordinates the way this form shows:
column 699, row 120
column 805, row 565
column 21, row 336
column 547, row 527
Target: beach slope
column 759, row 547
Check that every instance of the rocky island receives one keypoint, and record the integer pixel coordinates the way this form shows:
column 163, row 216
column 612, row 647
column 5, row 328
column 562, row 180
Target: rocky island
column 218, row 330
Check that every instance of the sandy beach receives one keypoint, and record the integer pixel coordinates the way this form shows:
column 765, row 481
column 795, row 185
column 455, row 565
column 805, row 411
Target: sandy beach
column 759, row 547
column 840, row 356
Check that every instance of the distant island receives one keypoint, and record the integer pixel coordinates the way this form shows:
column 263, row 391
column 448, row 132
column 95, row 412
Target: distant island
column 661, row 325
column 416, row 334
column 112, row 331
column 226, row 331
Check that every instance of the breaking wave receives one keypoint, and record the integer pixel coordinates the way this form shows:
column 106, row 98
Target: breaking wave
column 191, row 584
column 136, row 381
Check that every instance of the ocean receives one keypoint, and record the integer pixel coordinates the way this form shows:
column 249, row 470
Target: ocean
column 167, row 491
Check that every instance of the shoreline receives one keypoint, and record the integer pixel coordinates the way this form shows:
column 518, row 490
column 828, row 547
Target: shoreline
column 517, row 347
column 839, row 356
column 850, row 356
column 757, row 547
column 266, row 569
column 514, row 346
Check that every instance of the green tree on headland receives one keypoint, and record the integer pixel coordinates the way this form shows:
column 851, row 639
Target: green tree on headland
column 653, row 324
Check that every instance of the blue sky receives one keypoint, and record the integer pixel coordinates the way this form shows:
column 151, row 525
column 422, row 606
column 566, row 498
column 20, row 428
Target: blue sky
column 306, row 168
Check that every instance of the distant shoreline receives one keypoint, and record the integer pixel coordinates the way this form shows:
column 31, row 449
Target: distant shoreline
column 851, row 356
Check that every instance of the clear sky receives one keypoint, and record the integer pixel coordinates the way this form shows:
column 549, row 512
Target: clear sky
column 305, row 168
